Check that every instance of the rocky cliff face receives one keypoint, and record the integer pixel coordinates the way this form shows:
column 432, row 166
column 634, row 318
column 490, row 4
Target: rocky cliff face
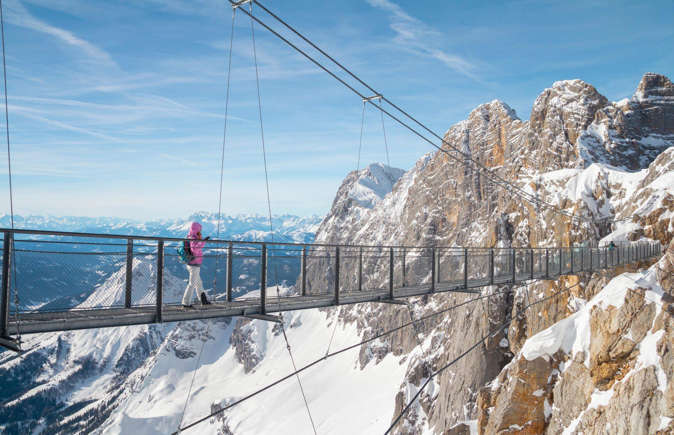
column 445, row 201
column 606, row 368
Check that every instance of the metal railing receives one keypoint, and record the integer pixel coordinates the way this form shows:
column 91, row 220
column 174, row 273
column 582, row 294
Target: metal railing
column 145, row 279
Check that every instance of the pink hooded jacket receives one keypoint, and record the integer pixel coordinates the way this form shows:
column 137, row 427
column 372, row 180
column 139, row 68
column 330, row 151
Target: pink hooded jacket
column 196, row 245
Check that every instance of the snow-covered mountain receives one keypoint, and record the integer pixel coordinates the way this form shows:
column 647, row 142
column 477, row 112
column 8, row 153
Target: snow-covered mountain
column 573, row 363
column 287, row 228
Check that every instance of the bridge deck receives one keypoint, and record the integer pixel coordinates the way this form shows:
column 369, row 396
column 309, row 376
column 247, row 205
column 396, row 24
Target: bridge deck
column 34, row 322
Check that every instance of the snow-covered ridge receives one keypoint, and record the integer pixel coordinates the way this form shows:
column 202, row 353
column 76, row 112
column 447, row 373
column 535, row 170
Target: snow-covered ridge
column 374, row 183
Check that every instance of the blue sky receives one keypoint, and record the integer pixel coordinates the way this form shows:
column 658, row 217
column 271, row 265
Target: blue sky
column 117, row 107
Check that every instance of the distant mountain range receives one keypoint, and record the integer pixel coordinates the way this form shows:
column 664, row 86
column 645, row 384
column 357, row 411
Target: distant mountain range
column 287, row 228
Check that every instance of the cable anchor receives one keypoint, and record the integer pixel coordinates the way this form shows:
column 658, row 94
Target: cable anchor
column 236, row 4
column 374, row 97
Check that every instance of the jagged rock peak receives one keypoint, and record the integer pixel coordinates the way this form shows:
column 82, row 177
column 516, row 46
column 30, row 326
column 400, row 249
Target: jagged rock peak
column 370, row 184
column 573, row 98
column 654, row 86
column 494, row 107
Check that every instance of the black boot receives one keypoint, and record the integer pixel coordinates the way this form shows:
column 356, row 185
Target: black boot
column 204, row 301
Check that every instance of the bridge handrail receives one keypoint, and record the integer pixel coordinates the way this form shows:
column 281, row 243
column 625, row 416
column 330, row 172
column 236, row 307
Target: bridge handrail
column 260, row 243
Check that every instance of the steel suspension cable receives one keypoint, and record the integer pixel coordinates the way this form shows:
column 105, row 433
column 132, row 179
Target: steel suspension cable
column 4, row 76
column 360, row 141
column 9, row 173
column 345, row 349
column 467, row 351
column 194, row 375
column 224, row 141
column 271, row 225
column 383, row 129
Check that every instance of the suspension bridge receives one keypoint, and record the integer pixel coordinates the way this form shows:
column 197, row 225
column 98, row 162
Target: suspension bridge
column 349, row 274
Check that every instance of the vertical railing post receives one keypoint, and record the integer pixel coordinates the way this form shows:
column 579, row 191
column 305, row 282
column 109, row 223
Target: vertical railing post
column 547, row 263
column 571, row 250
column 160, row 280
column 605, row 257
column 404, row 266
column 531, row 263
column 560, row 261
column 513, row 252
column 230, row 274
column 263, row 280
column 337, row 275
column 438, row 256
column 591, row 261
column 303, row 266
column 390, row 273
column 432, row 269
column 360, row 269
column 4, row 308
column 491, row 266
column 465, row 267
column 129, row 273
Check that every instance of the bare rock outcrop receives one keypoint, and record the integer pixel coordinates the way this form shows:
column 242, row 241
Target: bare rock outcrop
column 606, row 368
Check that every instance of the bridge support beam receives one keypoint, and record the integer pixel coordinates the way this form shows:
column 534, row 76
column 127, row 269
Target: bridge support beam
column 303, row 272
column 465, row 267
column 160, row 281
column 4, row 304
column 390, row 274
column 129, row 273
column 491, row 266
column 230, row 260
column 263, row 280
column 404, row 266
column 433, row 269
column 360, row 269
column 513, row 264
column 337, row 275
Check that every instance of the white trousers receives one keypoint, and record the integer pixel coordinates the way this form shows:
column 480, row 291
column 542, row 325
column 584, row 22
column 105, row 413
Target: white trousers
column 194, row 284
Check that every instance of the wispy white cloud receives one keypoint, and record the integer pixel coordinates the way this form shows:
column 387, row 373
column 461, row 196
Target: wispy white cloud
column 416, row 36
column 18, row 15
column 30, row 113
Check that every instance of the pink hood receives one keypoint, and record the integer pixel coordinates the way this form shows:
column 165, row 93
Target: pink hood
column 194, row 229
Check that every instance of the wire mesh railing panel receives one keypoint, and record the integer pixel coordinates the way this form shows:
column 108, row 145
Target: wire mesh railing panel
column 320, row 266
column 375, row 269
column 450, row 263
column 283, row 267
column 418, row 265
column 56, row 275
column 350, row 262
column 503, row 267
column 478, row 265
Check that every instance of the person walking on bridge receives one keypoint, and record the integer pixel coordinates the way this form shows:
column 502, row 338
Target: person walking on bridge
column 195, row 284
